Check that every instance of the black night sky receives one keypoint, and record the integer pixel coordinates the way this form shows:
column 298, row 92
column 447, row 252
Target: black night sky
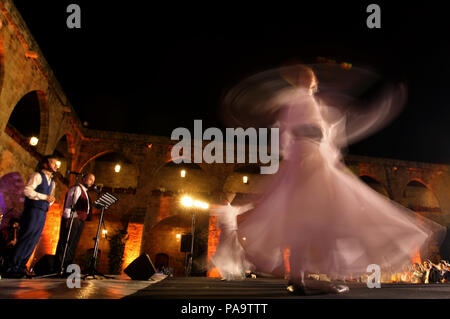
column 149, row 68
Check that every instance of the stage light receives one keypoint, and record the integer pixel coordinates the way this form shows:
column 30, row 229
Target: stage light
column 245, row 179
column 117, row 168
column 183, row 173
column 178, row 236
column 186, row 201
column 200, row 204
column 197, row 203
column 34, row 141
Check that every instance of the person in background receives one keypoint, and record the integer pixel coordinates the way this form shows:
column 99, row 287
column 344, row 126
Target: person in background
column 8, row 240
column 418, row 274
column 229, row 258
column 405, row 275
column 432, row 274
column 445, row 275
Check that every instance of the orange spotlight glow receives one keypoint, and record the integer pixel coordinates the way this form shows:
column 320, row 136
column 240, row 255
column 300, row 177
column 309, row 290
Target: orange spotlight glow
column 133, row 244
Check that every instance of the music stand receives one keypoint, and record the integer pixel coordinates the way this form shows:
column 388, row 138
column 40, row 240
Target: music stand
column 103, row 202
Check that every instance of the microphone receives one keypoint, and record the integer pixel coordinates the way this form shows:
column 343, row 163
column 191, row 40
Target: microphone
column 97, row 188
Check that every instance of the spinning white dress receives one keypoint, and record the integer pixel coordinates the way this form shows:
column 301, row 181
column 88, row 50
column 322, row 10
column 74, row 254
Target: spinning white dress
column 332, row 222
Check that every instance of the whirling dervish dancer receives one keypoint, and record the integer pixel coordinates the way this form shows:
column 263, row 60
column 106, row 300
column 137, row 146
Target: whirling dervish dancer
column 332, row 222
column 229, row 258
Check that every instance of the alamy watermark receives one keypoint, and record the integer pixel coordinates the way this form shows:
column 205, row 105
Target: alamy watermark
column 73, row 280
column 374, row 19
column 213, row 152
column 74, row 19
column 374, row 278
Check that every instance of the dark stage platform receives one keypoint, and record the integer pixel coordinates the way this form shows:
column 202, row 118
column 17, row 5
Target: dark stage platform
column 268, row 288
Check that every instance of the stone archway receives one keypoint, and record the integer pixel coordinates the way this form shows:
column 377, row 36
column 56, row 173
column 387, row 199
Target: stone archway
column 164, row 206
column 103, row 166
column 169, row 177
column 64, row 150
column 169, row 186
column 163, row 239
column 375, row 185
column 420, row 198
column 30, row 117
column 92, row 157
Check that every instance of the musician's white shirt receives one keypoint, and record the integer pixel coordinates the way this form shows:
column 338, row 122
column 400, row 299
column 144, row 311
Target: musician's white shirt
column 34, row 181
column 72, row 195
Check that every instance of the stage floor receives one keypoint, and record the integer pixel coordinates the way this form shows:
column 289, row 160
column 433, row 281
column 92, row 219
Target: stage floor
column 268, row 288
column 201, row 288
column 45, row 288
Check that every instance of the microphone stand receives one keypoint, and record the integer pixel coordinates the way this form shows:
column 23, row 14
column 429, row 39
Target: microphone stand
column 191, row 256
column 66, row 244
column 72, row 215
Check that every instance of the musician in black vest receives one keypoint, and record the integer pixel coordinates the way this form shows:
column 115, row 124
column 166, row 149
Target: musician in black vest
column 78, row 197
column 39, row 196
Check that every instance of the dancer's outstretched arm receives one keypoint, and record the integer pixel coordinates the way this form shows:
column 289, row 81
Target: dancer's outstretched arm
column 244, row 208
